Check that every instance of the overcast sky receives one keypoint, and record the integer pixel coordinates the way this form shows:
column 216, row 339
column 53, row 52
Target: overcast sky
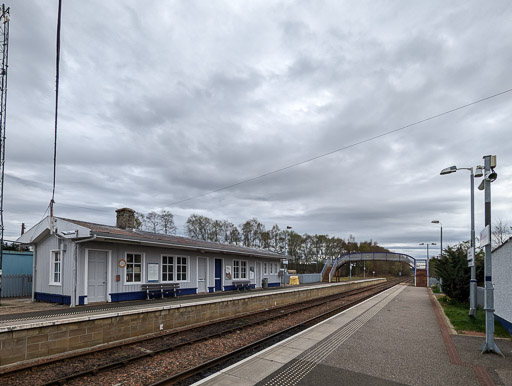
column 165, row 100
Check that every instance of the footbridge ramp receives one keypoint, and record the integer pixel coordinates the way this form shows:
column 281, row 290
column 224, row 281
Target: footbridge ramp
column 331, row 265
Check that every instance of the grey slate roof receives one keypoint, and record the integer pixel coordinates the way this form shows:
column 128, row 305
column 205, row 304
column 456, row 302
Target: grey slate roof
column 111, row 232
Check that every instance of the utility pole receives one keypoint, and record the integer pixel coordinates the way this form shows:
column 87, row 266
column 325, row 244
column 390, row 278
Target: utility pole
column 4, row 31
column 489, row 176
column 472, row 281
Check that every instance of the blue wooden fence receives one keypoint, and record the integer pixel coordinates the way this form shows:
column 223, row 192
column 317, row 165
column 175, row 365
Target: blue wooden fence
column 16, row 285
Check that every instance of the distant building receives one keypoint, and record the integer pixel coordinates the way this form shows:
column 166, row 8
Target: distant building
column 501, row 279
column 16, row 273
column 81, row 262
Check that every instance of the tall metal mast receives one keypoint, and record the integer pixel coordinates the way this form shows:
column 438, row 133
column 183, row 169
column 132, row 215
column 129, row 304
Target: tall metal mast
column 4, row 36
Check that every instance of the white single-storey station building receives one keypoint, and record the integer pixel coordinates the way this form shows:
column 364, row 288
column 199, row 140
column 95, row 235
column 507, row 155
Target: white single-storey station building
column 77, row 262
column 501, row 279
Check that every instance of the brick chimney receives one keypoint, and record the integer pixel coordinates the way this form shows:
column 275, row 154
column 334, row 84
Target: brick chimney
column 125, row 218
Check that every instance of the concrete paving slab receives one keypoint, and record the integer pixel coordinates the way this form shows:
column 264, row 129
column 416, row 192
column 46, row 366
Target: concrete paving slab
column 228, row 380
column 282, row 354
column 254, row 370
column 301, row 344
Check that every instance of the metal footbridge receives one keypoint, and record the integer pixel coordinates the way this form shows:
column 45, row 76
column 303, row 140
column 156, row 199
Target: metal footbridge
column 331, row 265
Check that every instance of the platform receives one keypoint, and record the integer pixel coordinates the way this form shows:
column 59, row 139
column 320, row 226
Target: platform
column 49, row 314
column 393, row 338
column 33, row 335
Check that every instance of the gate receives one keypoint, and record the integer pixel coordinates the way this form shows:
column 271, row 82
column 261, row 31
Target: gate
column 16, row 285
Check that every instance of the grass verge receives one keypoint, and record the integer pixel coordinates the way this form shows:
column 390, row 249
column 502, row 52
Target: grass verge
column 458, row 315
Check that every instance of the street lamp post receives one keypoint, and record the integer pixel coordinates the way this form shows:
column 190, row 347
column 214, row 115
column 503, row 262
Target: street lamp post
column 439, row 222
column 428, row 263
column 472, row 282
column 285, row 272
column 490, row 176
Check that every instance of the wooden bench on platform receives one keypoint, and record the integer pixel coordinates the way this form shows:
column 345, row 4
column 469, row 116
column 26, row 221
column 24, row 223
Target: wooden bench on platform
column 161, row 288
column 242, row 285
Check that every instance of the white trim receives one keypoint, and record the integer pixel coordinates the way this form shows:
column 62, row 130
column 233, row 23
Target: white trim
column 162, row 268
column 240, row 270
column 175, row 268
column 52, row 267
column 109, row 275
column 86, row 275
column 187, row 268
column 142, row 270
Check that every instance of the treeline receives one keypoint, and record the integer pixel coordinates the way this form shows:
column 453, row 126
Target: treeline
column 305, row 249
column 156, row 222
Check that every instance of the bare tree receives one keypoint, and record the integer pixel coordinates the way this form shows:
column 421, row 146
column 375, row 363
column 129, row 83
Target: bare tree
column 167, row 222
column 198, row 227
column 500, row 232
column 153, row 222
column 235, row 237
column 252, row 233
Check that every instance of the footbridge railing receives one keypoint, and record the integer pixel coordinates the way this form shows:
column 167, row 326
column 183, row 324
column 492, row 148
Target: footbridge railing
column 368, row 256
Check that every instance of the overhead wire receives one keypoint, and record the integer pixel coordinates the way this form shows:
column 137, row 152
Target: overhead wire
column 316, row 157
column 337, row 150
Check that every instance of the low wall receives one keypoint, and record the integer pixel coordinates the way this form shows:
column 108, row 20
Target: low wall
column 36, row 340
column 305, row 278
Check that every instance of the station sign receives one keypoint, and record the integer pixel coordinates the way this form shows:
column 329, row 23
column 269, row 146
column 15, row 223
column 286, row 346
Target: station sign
column 471, row 257
column 485, row 236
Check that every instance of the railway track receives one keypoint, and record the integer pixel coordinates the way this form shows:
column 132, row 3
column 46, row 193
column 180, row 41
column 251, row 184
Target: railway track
column 184, row 343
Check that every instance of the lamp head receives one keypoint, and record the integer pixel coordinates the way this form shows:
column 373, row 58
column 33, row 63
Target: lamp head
column 435, row 221
column 481, row 186
column 479, row 171
column 451, row 169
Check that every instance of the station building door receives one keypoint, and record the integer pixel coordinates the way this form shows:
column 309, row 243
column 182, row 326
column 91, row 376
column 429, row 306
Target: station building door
column 97, row 276
column 258, row 274
column 218, row 275
column 201, row 274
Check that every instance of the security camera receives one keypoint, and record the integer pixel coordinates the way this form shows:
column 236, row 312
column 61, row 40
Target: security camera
column 491, row 176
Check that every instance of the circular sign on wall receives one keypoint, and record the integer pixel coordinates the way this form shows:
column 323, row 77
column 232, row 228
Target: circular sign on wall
column 121, row 263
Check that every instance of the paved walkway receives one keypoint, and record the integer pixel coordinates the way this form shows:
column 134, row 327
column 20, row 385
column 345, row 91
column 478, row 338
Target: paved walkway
column 394, row 338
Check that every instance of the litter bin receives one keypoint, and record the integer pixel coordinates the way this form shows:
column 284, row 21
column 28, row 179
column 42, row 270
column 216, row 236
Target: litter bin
column 264, row 282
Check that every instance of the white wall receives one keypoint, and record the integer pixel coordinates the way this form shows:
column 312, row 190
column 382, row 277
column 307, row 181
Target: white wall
column 501, row 278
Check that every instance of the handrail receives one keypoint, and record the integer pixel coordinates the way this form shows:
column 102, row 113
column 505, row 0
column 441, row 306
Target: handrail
column 375, row 256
